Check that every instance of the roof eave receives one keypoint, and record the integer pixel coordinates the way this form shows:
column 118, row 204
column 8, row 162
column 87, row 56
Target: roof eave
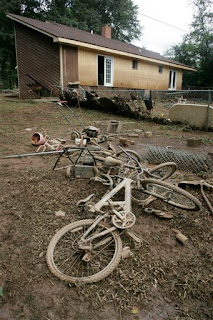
column 30, row 26
column 117, row 52
column 100, row 48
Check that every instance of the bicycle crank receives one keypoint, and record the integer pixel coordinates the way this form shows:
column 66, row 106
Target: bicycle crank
column 126, row 221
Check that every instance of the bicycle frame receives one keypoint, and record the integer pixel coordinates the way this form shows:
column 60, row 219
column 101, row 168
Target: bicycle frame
column 106, row 201
column 124, row 215
column 125, row 204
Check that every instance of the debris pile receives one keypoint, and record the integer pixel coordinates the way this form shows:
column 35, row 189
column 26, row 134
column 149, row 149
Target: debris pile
column 116, row 105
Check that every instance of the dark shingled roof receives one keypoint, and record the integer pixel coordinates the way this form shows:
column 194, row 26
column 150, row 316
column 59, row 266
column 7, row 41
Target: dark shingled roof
column 58, row 30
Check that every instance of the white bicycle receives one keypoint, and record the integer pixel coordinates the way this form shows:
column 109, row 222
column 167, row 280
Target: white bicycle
column 88, row 250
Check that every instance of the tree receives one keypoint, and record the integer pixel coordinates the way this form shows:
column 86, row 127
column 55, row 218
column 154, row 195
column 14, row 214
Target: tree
column 30, row 8
column 59, row 11
column 93, row 14
column 7, row 53
column 196, row 48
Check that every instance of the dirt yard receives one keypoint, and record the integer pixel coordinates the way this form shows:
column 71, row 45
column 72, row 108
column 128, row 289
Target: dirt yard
column 162, row 280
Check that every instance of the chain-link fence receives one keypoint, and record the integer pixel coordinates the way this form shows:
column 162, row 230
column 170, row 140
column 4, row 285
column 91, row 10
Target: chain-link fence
column 158, row 97
column 195, row 106
column 168, row 98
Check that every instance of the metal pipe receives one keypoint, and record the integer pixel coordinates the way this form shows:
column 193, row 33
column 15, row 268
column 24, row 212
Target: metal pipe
column 22, row 155
column 208, row 109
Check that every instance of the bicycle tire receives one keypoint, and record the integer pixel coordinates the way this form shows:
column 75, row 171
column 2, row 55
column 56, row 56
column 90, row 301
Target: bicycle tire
column 175, row 196
column 131, row 165
column 76, row 229
column 134, row 154
column 161, row 171
column 107, row 180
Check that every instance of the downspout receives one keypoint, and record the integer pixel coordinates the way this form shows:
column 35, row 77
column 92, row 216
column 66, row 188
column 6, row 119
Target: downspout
column 17, row 62
column 61, row 66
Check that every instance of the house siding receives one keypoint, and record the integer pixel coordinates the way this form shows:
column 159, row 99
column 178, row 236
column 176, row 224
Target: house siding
column 146, row 76
column 38, row 61
column 87, row 67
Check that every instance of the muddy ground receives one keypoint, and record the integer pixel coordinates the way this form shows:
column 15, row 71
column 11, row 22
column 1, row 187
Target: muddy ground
column 163, row 279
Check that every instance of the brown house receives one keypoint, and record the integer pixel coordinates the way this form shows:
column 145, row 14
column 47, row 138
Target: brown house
column 49, row 55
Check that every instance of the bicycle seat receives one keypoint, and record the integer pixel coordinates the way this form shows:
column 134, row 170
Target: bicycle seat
column 112, row 162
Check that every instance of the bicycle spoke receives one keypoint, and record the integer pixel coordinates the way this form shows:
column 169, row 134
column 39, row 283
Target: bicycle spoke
column 171, row 194
column 72, row 261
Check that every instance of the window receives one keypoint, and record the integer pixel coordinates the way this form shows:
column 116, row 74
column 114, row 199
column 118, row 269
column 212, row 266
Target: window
column 134, row 64
column 105, row 71
column 172, row 79
column 160, row 69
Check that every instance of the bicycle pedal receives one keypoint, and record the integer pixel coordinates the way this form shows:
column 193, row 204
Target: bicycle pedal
column 126, row 252
column 159, row 213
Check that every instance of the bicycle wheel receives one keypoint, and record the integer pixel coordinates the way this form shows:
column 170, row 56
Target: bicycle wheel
column 70, row 263
column 105, row 179
column 124, row 157
column 162, row 171
column 137, row 194
column 130, row 164
column 170, row 194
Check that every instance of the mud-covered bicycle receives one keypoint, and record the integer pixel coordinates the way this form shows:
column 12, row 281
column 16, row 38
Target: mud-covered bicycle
column 87, row 251
column 106, row 166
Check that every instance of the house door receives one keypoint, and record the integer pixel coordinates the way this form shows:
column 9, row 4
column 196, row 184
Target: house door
column 70, row 64
column 172, row 80
column 105, row 71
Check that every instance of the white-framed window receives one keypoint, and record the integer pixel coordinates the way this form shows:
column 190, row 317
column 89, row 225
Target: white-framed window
column 105, row 71
column 172, row 79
